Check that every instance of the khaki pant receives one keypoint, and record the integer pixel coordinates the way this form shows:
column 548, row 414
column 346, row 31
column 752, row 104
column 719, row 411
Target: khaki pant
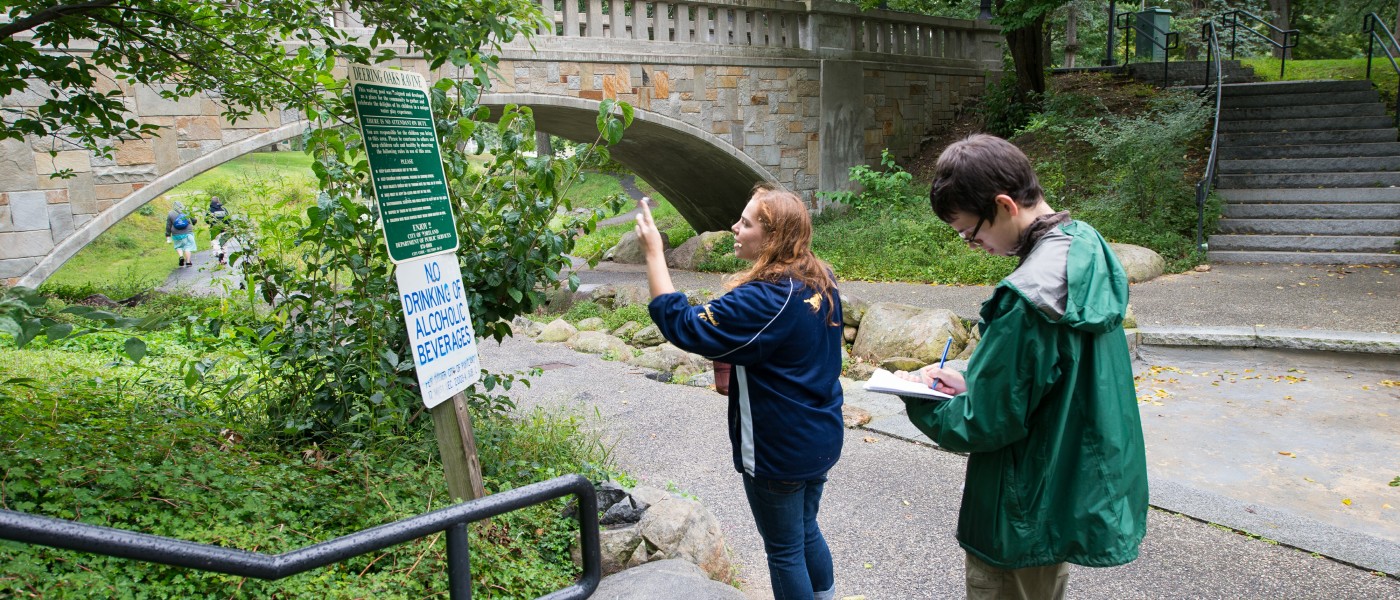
column 985, row 582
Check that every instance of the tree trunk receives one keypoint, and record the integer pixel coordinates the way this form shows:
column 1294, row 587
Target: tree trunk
column 1280, row 8
column 1028, row 54
column 1071, row 35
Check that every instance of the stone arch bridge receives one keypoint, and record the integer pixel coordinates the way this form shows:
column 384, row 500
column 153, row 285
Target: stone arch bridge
column 726, row 92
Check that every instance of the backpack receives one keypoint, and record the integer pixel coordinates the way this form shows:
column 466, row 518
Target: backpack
column 181, row 221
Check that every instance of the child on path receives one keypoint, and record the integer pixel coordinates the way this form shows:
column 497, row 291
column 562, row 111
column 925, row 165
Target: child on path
column 179, row 231
column 1047, row 411
column 780, row 328
column 217, row 220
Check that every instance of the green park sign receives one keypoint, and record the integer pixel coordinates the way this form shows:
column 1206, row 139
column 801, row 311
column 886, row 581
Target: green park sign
column 405, row 163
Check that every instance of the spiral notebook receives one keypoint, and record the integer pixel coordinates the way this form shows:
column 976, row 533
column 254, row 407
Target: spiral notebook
column 885, row 382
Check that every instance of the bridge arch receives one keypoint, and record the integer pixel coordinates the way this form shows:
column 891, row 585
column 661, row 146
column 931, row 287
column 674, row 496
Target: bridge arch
column 89, row 231
column 707, row 179
column 726, row 93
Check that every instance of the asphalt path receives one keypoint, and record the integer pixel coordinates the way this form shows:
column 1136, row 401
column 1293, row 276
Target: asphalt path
column 891, row 505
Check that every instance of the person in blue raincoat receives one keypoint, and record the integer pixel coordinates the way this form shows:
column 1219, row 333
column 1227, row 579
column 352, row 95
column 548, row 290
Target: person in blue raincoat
column 780, row 327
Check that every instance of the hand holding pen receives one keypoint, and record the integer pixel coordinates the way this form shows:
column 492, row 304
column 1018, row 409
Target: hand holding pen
column 933, row 385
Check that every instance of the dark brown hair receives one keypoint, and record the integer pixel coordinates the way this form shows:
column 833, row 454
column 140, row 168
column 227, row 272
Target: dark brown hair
column 787, row 245
column 971, row 173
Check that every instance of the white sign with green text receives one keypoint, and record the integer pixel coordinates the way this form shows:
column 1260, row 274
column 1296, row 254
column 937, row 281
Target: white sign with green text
column 439, row 326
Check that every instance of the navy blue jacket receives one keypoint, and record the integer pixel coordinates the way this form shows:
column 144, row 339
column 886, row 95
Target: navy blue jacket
column 784, row 393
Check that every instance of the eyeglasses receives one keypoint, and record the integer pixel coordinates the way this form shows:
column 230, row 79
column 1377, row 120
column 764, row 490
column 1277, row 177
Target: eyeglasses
column 971, row 238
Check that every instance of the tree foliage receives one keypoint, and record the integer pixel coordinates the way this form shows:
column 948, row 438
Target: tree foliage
column 332, row 356
column 252, row 56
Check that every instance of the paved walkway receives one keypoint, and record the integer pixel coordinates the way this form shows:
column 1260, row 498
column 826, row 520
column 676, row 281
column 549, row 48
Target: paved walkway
column 891, row 505
column 892, row 502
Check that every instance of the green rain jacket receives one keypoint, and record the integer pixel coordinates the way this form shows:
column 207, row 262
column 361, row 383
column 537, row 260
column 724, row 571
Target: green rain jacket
column 1057, row 471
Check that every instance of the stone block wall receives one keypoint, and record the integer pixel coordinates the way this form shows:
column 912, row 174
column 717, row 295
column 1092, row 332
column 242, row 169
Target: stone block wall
column 771, row 114
column 38, row 211
column 901, row 106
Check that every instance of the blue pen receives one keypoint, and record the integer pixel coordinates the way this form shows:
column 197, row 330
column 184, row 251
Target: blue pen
column 934, row 385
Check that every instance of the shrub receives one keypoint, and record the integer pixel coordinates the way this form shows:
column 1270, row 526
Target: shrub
column 721, row 259
column 892, row 186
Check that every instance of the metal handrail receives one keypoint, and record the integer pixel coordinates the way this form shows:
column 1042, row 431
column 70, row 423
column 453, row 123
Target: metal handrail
column 1172, row 40
column 1231, row 19
column 72, row 535
column 1369, row 26
column 1208, row 33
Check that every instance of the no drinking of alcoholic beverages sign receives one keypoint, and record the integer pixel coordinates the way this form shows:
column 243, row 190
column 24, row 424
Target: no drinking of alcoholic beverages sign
column 405, row 163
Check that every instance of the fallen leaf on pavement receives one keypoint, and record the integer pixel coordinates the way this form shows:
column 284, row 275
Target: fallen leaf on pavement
column 1346, row 501
column 1289, row 454
column 870, row 440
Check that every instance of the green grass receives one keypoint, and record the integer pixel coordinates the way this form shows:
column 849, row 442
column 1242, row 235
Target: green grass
column 902, row 243
column 257, row 164
column 1383, row 76
column 143, row 450
column 133, row 254
column 668, row 220
column 591, row 190
column 129, row 257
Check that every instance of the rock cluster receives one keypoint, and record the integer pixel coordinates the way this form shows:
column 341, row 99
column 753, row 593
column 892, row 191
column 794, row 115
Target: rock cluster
column 646, row 524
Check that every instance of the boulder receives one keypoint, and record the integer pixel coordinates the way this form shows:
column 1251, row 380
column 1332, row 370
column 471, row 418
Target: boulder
column 603, row 295
column 854, row 416
column 1141, row 264
column 695, row 250
column 558, row 299
column 683, row 528
column 557, row 330
column 698, row 297
column 631, row 294
column 667, row 358
column 622, row 513
column 860, row 371
column 626, row 330
column 648, row 336
column 974, row 335
column 902, row 363
column 852, row 309
column 848, row 333
column 592, row 324
column 617, row 546
column 889, row 329
column 597, row 342
column 628, row 250
column 650, row 495
column 664, row 579
column 608, row 494
column 525, row 326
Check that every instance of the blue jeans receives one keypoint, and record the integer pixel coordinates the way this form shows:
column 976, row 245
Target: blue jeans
column 799, row 563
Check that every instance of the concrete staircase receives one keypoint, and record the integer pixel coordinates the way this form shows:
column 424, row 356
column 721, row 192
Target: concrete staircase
column 1309, row 172
column 1188, row 72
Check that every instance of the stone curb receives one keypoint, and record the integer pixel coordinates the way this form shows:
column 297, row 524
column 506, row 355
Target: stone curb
column 1299, row 531
column 1266, row 337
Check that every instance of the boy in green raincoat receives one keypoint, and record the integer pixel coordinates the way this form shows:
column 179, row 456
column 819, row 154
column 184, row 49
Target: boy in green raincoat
column 1047, row 411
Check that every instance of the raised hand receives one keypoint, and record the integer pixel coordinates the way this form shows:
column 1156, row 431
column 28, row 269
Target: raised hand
column 647, row 233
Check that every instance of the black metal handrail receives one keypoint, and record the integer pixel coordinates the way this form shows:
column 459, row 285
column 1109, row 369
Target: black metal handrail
column 1232, row 20
column 1212, row 40
column 1170, row 40
column 1369, row 26
column 72, row 535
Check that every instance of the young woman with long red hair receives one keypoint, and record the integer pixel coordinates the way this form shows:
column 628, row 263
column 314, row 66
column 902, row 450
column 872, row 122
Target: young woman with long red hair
column 780, row 326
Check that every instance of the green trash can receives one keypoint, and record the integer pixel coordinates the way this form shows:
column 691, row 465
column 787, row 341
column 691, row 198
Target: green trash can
column 1153, row 24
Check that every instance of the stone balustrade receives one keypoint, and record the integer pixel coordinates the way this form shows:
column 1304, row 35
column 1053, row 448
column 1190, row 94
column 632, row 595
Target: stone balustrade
column 821, row 27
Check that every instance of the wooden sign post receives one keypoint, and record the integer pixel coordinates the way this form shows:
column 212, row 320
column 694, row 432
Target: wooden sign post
column 395, row 117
